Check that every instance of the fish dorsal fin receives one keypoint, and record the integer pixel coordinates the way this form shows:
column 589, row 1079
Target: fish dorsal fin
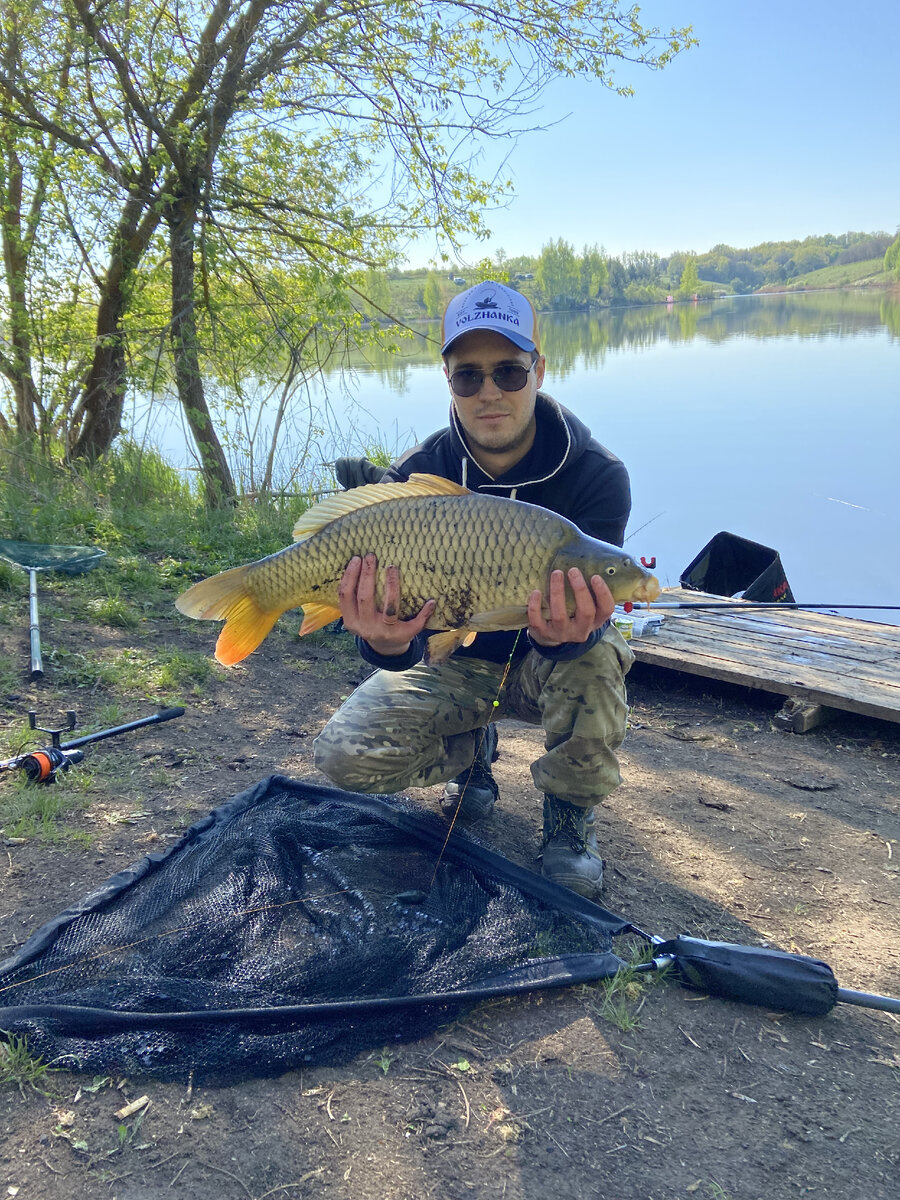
column 334, row 507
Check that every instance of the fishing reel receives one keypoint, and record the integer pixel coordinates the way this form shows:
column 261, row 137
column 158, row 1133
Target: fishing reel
column 42, row 766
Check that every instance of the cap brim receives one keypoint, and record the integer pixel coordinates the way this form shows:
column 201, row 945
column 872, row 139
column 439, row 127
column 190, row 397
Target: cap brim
column 517, row 339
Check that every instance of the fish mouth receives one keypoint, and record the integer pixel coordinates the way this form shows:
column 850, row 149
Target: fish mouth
column 647, row 589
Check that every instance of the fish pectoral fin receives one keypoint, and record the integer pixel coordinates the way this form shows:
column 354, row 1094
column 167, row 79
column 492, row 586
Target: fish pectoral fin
column 315, row 616
column 338, row 506
column 440, row 646
column 226, row 595
column 500, row 618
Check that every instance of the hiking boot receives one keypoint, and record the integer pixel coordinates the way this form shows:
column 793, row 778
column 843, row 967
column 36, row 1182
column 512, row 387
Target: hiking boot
column 571, row 856
column 473, row 793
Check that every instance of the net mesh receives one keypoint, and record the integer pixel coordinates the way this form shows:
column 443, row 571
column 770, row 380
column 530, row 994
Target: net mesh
column 71, row 560
column 295, row 924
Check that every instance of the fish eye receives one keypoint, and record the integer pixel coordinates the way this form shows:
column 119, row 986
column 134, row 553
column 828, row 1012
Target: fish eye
column 610, row 570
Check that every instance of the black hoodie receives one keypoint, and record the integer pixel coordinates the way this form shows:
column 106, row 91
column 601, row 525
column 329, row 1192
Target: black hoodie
column 565, row 470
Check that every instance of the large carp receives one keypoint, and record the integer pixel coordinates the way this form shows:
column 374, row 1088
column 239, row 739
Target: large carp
column 478, row 556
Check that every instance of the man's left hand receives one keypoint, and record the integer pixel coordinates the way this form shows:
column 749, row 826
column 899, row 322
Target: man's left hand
column 594, row 606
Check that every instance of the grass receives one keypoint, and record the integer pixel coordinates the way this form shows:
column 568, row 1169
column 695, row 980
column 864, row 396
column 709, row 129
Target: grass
column 137, row 508
column 112, row 610
column 36, row 810
column 384, row 1060
column 168, row 674
column 10, row 576
column 620, row 998
column 19, row 1067
column 834, row 276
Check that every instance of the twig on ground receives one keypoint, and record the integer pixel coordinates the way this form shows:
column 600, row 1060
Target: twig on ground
column 333, row 1138
column 458, row 1083
column 609, row 1116
column 283, row 1187
column 230, row 1174
column 178, row 1173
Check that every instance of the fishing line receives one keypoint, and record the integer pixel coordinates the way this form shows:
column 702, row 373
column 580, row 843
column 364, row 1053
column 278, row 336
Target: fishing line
column 634, row 532
column 739, row 606
column 495, row 704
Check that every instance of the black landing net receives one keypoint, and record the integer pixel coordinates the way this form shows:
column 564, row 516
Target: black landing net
column 295, row 925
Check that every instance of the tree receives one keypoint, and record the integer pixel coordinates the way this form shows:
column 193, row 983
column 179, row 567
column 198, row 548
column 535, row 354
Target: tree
column 892, row 256
column 594, row 273
column 432, row 296
column 690, row 280
column 26, row 176
column 377, row 294
column 617, row 280
column 317, row 134
column 558, row 274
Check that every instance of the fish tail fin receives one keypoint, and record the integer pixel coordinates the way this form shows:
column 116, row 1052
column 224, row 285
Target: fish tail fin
column 227, row 596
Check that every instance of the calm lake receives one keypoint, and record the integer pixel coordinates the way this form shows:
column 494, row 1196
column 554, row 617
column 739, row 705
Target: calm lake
column 773, row 417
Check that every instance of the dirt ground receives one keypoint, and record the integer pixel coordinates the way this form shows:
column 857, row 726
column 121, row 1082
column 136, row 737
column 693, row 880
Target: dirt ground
column 724, row 827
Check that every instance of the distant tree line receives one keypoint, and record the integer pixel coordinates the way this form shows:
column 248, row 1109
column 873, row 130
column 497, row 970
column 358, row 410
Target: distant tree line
column 561, row 278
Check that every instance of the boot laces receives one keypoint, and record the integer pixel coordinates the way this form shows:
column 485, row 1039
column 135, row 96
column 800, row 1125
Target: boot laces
column 566, row 824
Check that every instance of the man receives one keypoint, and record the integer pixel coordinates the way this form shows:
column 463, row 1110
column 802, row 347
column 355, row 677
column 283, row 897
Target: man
column 415, row 725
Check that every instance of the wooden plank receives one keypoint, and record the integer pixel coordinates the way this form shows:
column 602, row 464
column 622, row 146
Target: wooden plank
column 769, row 653
column 840, row 662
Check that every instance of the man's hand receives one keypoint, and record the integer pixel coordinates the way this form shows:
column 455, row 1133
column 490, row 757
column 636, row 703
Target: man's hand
column 594, row 606
column 381, row 628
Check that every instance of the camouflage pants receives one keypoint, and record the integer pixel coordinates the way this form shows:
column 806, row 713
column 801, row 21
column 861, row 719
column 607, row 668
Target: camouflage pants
column 419, row 727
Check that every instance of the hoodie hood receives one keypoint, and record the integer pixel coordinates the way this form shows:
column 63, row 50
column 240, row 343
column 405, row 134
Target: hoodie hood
column 562, row 440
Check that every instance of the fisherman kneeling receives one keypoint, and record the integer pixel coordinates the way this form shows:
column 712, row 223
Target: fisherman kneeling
column 412, row 724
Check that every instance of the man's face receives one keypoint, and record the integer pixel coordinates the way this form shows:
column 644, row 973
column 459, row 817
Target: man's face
column 498, row 424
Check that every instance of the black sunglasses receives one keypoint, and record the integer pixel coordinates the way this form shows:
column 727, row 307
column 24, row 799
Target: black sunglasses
column 511, row 377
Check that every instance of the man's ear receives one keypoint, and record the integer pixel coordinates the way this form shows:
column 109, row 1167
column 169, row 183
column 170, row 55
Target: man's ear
column 539, row 367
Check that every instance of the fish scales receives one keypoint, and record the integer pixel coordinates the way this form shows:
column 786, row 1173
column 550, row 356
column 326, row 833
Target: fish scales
column 470, row 554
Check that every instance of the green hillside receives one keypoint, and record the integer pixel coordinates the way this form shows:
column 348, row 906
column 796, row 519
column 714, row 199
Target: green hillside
column 869, row 272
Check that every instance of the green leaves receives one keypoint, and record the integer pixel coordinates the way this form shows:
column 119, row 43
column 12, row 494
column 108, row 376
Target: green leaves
column 306, row 144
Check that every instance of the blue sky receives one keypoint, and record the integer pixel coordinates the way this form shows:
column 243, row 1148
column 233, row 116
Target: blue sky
column 781, row 123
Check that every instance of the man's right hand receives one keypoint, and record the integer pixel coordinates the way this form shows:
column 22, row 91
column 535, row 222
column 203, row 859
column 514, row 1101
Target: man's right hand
column 381, row 628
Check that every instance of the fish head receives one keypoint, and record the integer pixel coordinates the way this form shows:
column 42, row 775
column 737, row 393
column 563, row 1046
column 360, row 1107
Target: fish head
column 620, row 571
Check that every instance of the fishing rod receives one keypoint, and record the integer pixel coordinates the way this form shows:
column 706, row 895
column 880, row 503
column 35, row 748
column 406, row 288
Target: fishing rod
column 41, row 766
column 743, row 605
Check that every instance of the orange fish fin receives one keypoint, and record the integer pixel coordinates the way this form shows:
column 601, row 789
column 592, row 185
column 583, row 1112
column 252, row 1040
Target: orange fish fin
column 226, row 595
column 335, row 507
column 440, row 646
column 317, row 615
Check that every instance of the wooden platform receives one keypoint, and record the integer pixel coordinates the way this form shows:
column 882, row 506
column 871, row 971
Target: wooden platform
column 839, row 662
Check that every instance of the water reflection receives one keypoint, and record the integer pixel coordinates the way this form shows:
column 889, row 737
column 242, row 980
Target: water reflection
column 584, row 339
